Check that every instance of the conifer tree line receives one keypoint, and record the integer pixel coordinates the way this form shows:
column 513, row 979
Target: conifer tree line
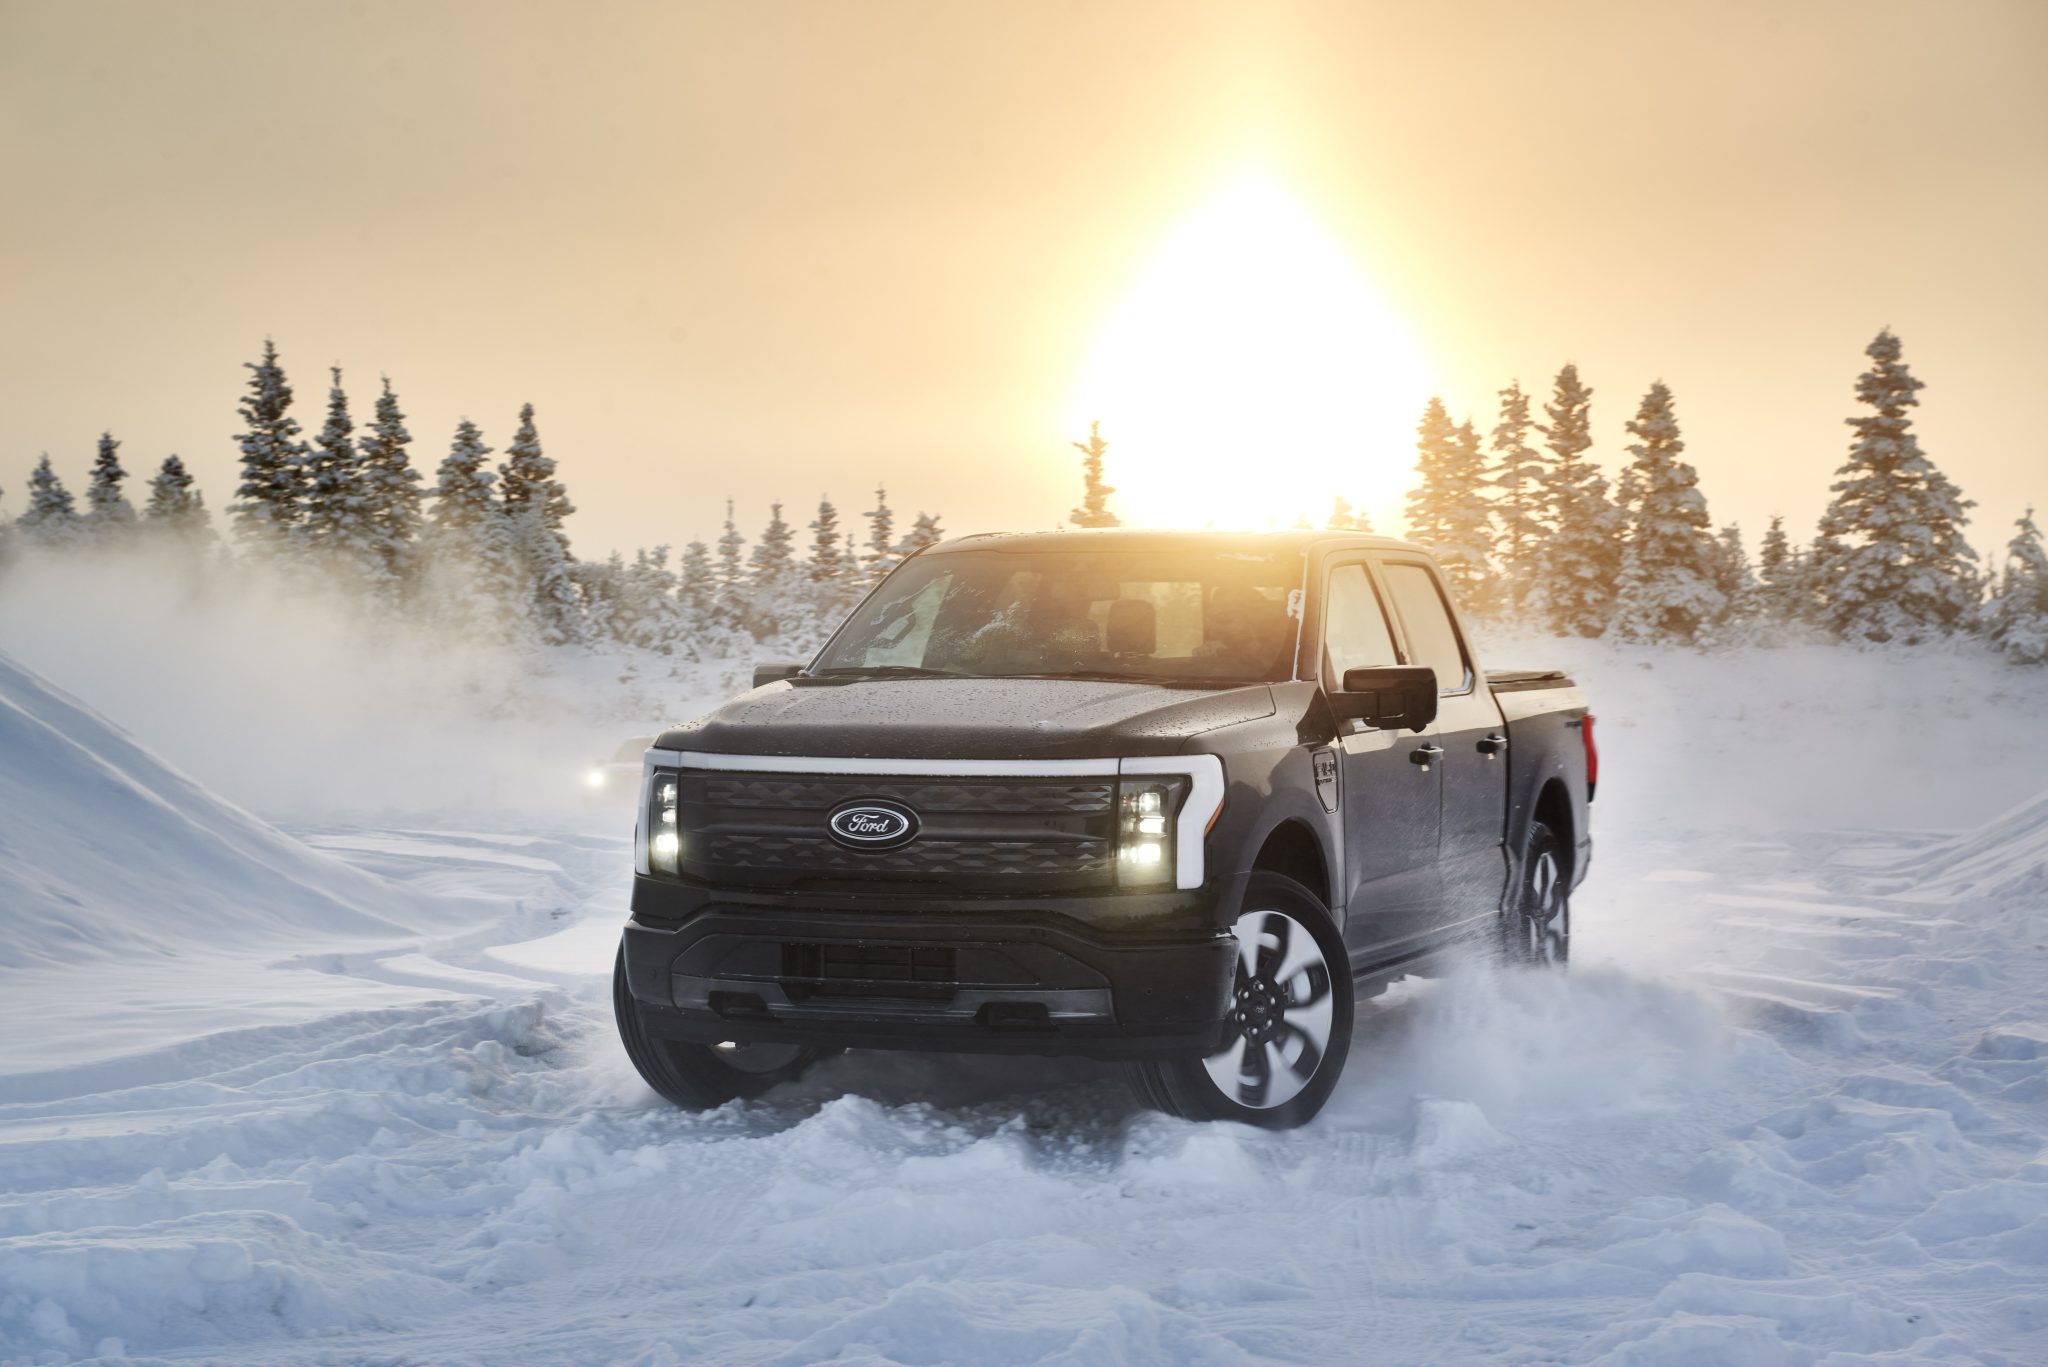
column 1525, row 523
column 482, row 551
column 1529, row 530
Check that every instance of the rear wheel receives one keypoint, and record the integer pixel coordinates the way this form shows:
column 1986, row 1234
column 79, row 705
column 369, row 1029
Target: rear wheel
column 698, row 1077
column 1290, row 1024
column 1536, row 926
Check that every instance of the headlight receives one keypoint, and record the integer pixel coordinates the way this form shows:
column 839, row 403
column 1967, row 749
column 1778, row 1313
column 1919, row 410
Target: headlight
column 593, row 778
column 658, row 824
column 1146, row 812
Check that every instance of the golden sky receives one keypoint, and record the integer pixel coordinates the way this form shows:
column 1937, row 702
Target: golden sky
column 779, row 250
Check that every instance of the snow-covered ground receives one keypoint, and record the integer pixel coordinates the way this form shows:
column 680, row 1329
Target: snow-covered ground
column 352, row 1093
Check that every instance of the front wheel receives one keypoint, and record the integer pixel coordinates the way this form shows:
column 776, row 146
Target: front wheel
column 1536, row 925
column 1290, row 1019
column 698, row 1077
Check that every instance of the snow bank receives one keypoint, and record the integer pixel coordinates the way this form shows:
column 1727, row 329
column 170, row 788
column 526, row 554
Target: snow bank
column 109, row 852
column 1999, row 861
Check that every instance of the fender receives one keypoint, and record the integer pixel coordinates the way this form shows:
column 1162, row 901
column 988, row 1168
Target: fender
column 1269, row 776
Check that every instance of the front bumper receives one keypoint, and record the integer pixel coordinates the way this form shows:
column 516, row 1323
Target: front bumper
column 892, row 974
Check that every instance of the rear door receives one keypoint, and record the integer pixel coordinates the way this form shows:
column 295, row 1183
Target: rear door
column 1473, row 737
column 1391, row 805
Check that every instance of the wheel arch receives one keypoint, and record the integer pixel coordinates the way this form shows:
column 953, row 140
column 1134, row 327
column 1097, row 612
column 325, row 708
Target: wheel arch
column 1294, row 849
column 1554, row 809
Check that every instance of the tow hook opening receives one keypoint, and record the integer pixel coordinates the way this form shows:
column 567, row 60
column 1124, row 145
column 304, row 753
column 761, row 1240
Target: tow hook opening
column 738, row 1004
column 1014, row 1016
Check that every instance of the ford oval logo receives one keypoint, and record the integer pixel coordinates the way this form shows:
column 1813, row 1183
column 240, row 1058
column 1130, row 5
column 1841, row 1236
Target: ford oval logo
column 872, row 825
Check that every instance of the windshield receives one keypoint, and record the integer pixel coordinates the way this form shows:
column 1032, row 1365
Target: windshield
column 1214, row 617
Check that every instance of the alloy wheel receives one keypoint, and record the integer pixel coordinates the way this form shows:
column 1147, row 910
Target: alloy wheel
column 1281, row 1013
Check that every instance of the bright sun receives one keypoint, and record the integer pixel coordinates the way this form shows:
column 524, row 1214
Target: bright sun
column 1252, row 374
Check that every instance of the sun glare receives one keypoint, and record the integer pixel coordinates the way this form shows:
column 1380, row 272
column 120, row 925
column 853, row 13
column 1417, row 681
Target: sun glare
column 1252, row 374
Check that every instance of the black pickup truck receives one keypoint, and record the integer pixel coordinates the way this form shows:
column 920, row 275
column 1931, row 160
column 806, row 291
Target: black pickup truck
column 1176, row 798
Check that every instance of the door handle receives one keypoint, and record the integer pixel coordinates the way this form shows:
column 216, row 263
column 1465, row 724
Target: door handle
column 1425, row 756
column 1493, row 746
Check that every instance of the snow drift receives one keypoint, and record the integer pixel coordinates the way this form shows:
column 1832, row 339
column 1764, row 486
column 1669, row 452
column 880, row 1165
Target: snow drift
column 1998, row 861
column 108, row 851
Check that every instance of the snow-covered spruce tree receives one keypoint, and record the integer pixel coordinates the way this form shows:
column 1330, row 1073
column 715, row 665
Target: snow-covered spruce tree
column 1447, row 509
column 777, row 602
column 696, row 594
column 469, row 578
column 775, row 553
column 528, row 478
column 51, row 518
column 335, row 529
column 828, row 560
column 269, row 500
column 881, row 552
column 621, row 602
column 390, row 493
column 1094, row 510
column 543, row 571
column 1741, row 598
column 1890, row 561
column 729, row 581
column 1523, row 500
column 1779, row 591
column 1667, row 592
column 536, row 506
column 108, row 511
column 463, row 499
column 176, row 507
column 656, row 615
column 1581, row 558
column 924, row 533
column 836, row 582
column 601, row 588
column 1345, row 518
column 2016, row 619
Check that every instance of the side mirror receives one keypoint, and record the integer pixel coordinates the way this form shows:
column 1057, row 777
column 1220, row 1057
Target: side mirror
column 1395, row 697
column 768, row 674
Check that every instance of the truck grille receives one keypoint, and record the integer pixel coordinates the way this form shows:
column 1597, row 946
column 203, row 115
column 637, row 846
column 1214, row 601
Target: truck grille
column 1035, row 835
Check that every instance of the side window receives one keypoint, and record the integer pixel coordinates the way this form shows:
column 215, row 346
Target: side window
column 1427, row 622
column 1355, row 634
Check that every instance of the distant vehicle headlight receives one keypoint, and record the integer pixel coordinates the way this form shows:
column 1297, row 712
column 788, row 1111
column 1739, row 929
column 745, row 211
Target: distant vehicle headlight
column 1145, row 812
column 594, row 779
column 658, row 825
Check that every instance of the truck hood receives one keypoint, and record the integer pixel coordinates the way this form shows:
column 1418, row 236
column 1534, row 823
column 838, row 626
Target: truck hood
column 928, row 718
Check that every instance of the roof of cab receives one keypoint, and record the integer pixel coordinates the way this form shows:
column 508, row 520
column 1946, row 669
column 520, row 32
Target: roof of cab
column 1168, row 539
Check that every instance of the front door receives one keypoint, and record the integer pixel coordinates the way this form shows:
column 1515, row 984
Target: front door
column 1474, row 741
column 1391, row 804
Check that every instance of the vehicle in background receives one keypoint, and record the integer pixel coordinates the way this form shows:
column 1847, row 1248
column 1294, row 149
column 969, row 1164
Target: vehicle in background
column 1176, row 798
column 618, row 778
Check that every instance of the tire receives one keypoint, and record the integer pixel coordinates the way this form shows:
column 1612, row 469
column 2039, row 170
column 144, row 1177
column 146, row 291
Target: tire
column 698, row 1077
column 1536, row 925
column 1292, row 1006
